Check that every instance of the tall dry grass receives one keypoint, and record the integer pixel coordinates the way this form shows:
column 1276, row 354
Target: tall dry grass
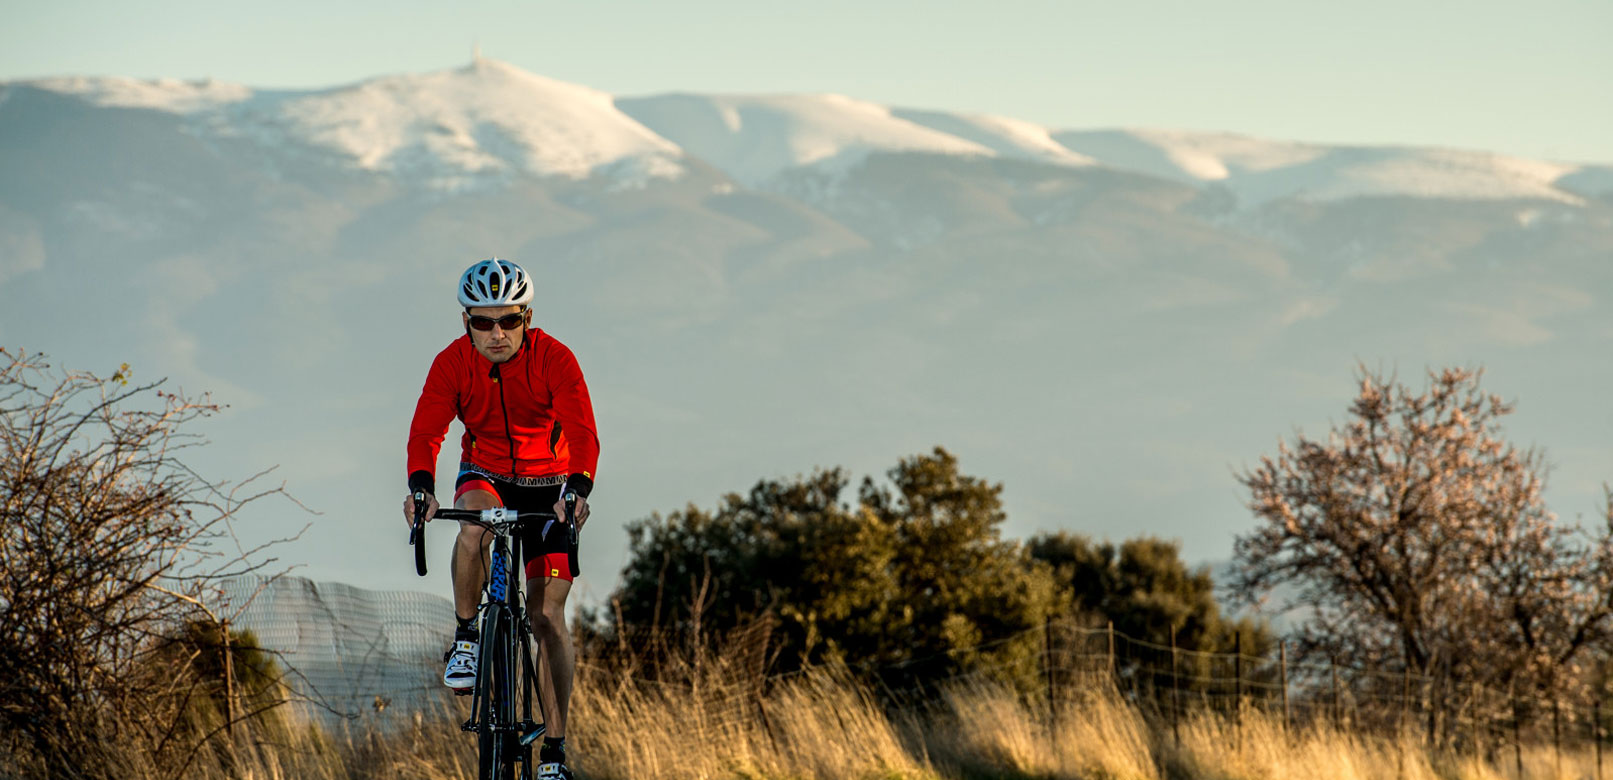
column 826, row 725
column 815, row 725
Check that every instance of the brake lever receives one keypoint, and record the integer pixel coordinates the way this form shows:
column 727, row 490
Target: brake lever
column 417, row 534
column 571, row 515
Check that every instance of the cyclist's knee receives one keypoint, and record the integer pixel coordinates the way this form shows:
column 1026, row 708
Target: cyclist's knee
column 546, row 624
column 546, row 605
column 472, row 537
column 476, row 499
column 541, row 620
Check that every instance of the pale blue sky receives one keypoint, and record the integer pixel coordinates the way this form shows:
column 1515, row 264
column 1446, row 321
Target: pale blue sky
column 1527, row 79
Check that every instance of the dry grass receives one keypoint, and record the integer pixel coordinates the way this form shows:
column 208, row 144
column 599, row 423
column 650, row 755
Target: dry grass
column 817, row 725
column 823, row 725
column 1212, row 747
column 987, row 730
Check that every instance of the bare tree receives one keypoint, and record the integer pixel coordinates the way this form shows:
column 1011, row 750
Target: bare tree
column 1418, row 536
column 109, row 545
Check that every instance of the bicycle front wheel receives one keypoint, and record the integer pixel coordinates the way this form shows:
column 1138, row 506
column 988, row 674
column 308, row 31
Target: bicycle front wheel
column 495, row 676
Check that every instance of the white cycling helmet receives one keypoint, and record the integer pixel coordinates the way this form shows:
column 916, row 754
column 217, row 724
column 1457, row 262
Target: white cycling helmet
column 494, row 282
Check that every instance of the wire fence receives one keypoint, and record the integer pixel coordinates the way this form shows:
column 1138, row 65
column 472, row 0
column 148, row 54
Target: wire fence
column 1170, row 684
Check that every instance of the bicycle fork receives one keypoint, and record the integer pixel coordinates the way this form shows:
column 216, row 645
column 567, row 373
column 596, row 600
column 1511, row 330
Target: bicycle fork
column 493, row 610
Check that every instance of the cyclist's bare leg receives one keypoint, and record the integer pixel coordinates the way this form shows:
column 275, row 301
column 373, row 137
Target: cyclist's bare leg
column 546, row 603
column 469, row 565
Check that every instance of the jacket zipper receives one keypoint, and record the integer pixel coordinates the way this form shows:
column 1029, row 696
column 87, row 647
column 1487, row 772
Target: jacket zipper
column 503, row 407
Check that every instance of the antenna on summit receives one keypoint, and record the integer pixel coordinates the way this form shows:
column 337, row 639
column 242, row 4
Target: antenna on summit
column 476, row 53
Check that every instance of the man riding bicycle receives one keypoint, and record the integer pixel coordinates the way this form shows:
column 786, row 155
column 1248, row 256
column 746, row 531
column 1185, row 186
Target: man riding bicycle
column 529, row 439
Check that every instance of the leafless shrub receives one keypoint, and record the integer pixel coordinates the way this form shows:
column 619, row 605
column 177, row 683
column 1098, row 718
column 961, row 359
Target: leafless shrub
column 109, row 545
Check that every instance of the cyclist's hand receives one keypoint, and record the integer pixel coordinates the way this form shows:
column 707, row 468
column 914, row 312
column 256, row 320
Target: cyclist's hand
column 408, row 509
column 581, row 513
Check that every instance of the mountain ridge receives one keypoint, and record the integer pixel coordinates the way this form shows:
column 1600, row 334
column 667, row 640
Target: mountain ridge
column 484, row 122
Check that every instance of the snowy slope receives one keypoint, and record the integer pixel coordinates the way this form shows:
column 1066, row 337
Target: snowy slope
column 1004, row 136
column 173, row 95
column 1595, row 181
column 488, row 119
column 1258, row 170
column 753, row 138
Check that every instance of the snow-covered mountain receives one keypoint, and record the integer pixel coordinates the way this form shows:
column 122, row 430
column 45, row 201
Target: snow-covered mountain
column 449, row 129
column 1108, row 321
column 491, row 120
column 1258, row 171
column 756, row 138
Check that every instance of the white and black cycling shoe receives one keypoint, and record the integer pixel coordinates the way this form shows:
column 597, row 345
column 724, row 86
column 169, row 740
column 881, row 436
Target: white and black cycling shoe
column 461, row 672
column 554, row 771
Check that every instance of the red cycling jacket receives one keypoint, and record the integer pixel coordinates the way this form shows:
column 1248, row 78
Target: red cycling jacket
column 529, row 416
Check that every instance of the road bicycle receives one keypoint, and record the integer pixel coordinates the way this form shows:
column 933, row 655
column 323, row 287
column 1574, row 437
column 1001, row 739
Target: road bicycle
column 505, row 676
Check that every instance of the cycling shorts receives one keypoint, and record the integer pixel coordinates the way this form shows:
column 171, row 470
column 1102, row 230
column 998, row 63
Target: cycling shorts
column 552, row 556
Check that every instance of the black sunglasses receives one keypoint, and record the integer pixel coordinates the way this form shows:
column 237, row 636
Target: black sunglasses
column 506, row 322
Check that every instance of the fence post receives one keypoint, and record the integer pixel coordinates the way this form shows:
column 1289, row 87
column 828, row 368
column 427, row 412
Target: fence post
column 1517, row 739
column 1427, row 701
column 1114, row 676
column 229, row 678
column 1237, row 690
column 767, row 723
column 1405, row 703
column 1176, row 694
column 1405, row 697
column 1047, row 667
column 1596, row 732
column 1333, row 666
column 1556, row 735
column 1282, row 657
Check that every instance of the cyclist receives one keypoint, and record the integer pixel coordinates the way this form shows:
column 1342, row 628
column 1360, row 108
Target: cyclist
column 529, row 439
